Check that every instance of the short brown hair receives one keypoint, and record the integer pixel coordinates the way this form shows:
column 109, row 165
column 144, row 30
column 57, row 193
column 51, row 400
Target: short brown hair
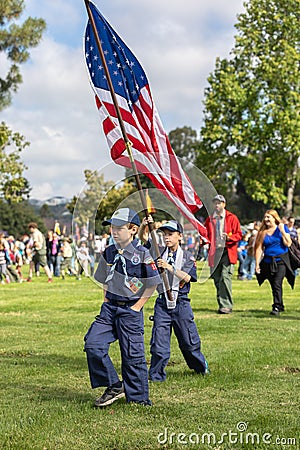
column 131, row 225
column 32, row 225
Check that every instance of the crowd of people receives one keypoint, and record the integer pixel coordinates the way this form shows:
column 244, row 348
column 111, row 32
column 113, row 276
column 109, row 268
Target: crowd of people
column 76, row 256
column 57, row 254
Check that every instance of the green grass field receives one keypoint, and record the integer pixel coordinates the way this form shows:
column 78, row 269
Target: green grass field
column 251, row 399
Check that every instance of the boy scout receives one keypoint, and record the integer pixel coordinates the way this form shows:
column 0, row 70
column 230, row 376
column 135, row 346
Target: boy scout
column 129, row 276
column 180, row 267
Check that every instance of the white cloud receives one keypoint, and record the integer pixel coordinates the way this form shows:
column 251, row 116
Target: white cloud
column 44, row 191
column 177, row 44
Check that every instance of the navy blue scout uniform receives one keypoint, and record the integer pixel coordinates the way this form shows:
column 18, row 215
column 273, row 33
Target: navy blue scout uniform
column 126, row 273
column 180, row 319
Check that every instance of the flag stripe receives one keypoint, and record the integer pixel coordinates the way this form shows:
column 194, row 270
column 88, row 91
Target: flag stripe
column 175, row 169
column 167, row 185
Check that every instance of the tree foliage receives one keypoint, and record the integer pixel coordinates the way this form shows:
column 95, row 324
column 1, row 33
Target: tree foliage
column 98, row 200
column 184, row 142
column 13, row 186
column 251, row 132
column 14, row 218
column 15, row 41
column 45, row 212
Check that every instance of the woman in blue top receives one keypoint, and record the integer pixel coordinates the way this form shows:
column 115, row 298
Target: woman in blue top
column 272, row 257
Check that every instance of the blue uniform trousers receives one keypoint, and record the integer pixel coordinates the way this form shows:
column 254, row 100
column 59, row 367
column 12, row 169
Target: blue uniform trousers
column 181, row 320
column 122, row 323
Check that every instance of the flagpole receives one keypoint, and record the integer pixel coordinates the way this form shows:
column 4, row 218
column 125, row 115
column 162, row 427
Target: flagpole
column 128, row 147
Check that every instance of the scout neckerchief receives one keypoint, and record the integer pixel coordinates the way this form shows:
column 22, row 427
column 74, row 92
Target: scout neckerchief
column 177, row 264
column 118, row 257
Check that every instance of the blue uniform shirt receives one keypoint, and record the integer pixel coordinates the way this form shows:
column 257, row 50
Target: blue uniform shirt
column 127, row 273
column 188, row 265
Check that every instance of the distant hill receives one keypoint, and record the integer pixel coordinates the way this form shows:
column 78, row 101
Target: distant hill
column 52, row 209
column 53, row 201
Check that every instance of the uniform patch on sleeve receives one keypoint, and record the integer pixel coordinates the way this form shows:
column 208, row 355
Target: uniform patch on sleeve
column 149, row 260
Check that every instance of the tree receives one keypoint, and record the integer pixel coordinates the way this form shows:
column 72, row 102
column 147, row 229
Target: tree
column 184, row 142
column 14, row 218
column 45, row 211
column 251, row 132
column 98, row 200
column 13, row 186
column 15, row 40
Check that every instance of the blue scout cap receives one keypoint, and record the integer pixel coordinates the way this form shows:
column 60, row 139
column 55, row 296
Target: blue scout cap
column 172, row 225
column 123, row 216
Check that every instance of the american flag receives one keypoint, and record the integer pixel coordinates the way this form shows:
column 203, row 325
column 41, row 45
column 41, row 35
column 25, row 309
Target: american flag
column 151, row 149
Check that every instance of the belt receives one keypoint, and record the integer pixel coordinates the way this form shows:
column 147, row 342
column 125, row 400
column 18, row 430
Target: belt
column 122, row 303
column 162, row 296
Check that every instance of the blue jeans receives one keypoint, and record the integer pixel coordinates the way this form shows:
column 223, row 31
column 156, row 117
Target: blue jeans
column 242, row 264
column 249, row 267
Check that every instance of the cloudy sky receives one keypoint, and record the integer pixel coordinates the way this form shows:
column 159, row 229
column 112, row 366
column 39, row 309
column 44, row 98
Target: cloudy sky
column 176, row 42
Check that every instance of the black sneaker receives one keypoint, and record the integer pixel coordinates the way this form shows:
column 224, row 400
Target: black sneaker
column 110, row 395
column 275, row 312
column 143, row 403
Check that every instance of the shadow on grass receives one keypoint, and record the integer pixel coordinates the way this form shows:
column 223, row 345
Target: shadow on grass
column 51, row 375
column 50, row 370
column 60, row 394
column 258, row 313
column 266, row 315
column 29, row 358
